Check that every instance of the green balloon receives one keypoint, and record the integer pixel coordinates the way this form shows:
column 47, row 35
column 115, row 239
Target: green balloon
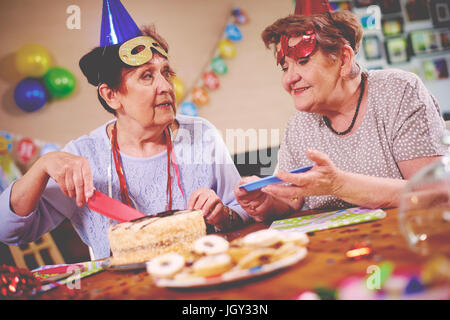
column 60, row 82
column 219, row 66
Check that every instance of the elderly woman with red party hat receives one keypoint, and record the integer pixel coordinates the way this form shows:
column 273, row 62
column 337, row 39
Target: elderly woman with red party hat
column 364, row 132
column 148, row 157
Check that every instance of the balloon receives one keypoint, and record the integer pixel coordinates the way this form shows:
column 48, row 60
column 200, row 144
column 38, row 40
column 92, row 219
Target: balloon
column 240, row 17
column 26, row 150
column 30, row 95
column 233, row 33
column 200, row 96
column 188, row 109
column 33, row 60
column 219, row 66
column 60, row 82
column 179, row 88
column 49, row 147
column 210, row 80
column 227, row 49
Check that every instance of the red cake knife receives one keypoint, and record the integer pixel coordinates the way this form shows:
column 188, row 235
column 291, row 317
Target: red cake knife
column 112, row 208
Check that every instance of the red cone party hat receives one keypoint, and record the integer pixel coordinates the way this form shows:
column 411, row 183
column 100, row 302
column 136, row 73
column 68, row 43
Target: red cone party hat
column 309, row 7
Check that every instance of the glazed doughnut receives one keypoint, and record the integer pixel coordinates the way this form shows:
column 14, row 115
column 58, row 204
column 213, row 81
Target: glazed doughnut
column 212, row 265
column 238, row 252
column 257, row 257
column 286, row 250
column 165, row 265
column 299, row 238
column 210, row 245
column 262, row 239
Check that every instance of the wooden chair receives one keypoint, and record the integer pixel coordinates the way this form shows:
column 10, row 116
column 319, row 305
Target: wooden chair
column 34, row 254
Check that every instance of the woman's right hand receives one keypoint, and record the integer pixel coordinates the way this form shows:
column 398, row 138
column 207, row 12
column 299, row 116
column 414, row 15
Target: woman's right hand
column 257, row 203
column 72, row 173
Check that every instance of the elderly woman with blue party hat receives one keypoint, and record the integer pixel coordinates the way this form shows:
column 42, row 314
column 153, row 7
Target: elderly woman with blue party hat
column 148, row 157
column 364, row 132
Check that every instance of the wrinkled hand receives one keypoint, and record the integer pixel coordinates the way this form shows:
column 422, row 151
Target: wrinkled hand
column 256, row 203
column 207, row 200
column 322, row 179
column 72, row 173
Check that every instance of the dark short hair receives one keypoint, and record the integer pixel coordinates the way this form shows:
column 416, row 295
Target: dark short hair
column 333, row 30
column 103, row 65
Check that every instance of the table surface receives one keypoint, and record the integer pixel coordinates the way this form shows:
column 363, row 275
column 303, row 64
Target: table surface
column 324, row 265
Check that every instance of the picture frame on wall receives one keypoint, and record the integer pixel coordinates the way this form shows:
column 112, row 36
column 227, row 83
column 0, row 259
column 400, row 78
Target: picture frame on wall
column 445, row 39
column 341, row 5
column 372, row 47
column 417, row 10
column 424, row 41
column 397, row 50
column 440, row 12
column 370, row 18
column 392, row 26
column 436, row 69
column 389, row 6
column 364, row 3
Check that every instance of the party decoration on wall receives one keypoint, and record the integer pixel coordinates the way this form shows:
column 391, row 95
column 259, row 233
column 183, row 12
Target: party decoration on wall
column 208, row 79
column 30, row 95
column 49, row 147
column 5, row 142
column 179, row 88
column 33, row 60
column 60, row 82
column 42, row 81
column 233, row 33
column 219, row 66
column 240, row 17
column 227, row 49
column 17, row 154
column 26, row 150
column 8, row 170
column 189, row 109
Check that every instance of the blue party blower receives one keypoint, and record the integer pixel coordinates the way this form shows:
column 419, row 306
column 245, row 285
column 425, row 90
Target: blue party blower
column 255, row 185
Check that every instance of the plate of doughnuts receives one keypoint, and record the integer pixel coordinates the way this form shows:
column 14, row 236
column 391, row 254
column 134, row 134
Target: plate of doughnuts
column 213, row 260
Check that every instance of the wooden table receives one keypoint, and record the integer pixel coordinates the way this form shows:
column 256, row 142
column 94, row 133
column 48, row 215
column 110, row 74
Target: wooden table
column 324, row 265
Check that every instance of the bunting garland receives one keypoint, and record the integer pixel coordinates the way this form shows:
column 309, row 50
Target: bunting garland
column 209, row 78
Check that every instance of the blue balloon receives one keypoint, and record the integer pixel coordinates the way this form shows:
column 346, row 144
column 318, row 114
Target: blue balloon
column 233, row 33
column 188, row 109
column 30, row 95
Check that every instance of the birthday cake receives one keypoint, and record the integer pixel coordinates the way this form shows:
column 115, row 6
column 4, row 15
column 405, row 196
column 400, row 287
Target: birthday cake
column 145, row 238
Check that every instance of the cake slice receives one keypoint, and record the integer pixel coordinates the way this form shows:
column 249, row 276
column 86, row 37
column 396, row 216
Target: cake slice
column 145, row 238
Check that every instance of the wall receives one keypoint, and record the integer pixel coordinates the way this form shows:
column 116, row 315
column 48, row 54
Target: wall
column 250, row 94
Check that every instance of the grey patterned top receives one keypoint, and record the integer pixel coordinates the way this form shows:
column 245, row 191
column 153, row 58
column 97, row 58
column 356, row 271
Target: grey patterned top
column 402, row 122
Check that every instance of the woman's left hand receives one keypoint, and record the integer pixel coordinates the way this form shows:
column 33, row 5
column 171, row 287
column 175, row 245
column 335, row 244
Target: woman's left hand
column 207, row 200
column 322, row 179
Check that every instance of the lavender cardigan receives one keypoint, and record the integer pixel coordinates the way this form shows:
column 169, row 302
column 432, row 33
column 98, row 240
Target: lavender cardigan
column 203, row 161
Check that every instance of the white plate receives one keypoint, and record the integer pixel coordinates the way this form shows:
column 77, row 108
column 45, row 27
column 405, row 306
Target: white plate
column 234, row 274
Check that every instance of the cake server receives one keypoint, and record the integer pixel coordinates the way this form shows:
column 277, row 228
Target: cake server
column 112, row 208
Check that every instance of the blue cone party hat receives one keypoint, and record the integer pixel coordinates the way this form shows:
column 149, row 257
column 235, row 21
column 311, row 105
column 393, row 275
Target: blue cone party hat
column 117, row 24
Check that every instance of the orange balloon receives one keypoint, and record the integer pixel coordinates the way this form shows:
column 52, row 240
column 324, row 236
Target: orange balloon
column 200, row 96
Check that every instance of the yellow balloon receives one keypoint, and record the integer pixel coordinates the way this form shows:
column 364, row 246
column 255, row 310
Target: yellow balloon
column 179, row 88
column 33, row 60
column 227, row 49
